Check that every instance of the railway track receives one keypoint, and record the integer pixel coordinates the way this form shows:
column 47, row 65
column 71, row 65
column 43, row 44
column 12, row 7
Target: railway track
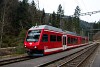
column 13, row 60
column 52, row 63
column 73, row 60
column 76, row 61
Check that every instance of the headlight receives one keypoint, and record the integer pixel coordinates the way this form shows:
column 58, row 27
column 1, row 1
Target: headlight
column 35, row 47
column 25, row 45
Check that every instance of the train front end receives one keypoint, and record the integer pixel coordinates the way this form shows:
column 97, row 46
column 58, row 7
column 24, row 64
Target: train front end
column 32, row 43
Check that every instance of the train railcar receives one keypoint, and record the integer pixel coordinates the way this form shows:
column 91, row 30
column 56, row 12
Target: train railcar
column 43, row 39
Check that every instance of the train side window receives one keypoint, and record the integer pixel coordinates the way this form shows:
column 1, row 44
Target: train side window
column 74, row 40
column 45, row 38
column 69, row 40
column 59, row 38
column 83, row 40
column 53, row 38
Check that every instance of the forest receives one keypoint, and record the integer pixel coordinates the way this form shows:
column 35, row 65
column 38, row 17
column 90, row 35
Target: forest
column 16, row 17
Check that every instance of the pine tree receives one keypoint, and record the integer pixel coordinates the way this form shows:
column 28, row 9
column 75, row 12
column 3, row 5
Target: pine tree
column 7, row 15
column 43, row 17
column 60, row 14
column 69, row 24
column 52, row 19
column 33, row 13
column 77, row 12
column 77, row 20
column 96, row 26
column 23, row 15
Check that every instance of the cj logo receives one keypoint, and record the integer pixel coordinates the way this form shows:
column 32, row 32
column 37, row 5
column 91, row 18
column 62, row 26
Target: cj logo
column 30, row 44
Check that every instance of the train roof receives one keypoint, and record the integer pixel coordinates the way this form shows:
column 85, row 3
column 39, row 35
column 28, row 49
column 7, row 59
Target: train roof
column 72, row 33
column 52, row 29
column 46, row 27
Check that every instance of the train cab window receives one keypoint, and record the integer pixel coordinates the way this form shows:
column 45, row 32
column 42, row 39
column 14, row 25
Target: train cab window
column 33, row 35
column 52, row 38
column 59, row 38
column 45, row 38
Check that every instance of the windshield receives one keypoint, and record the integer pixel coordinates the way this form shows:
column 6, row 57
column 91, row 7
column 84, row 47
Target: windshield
column 33, row 36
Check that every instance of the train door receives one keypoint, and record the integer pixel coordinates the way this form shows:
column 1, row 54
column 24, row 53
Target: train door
column 64, row 42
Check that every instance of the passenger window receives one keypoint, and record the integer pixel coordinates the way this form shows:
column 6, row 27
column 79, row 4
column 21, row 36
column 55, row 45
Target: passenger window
column 74, row 40
column 59, row 38
column 69, row 40
column 45, row 38
column 53, row 38
column 83, row 40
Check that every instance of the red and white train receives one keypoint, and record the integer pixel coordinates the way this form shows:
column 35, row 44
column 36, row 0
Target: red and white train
column 44, row 39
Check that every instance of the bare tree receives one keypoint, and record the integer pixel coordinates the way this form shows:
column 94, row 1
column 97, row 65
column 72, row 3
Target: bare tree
column 3, row 22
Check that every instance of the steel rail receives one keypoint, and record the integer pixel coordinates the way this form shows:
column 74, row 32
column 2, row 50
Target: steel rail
column 76, row 61
column 23, row 58
column 47, row 64
column 13, row 60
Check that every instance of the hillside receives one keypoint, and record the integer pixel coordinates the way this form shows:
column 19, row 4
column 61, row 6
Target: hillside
column 85, row 25
column 97, row 36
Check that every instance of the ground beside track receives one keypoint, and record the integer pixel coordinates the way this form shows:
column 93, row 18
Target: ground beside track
column 93, row 60
column 38, row 61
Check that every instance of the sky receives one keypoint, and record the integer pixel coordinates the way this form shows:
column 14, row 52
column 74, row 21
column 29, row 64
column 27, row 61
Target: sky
column 69, row 7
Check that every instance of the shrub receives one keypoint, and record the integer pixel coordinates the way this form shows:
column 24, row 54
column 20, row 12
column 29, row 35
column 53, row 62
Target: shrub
column 20, row 49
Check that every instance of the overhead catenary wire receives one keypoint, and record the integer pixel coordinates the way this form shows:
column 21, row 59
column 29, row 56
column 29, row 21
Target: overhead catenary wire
column 88, row 13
